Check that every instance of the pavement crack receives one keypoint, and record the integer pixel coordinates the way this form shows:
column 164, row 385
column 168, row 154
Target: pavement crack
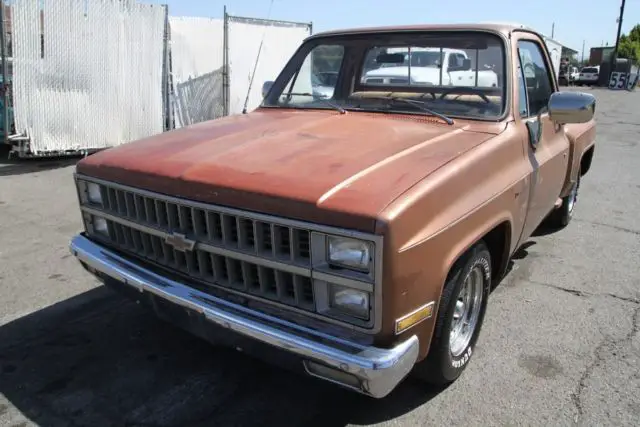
column 575, row 292
column 615, row 227
column 585, row 294
column 626, row 299
column 600, row 356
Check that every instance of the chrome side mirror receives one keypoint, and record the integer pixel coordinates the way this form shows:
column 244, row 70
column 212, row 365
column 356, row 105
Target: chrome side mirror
column 266, row 87
column 571, row 107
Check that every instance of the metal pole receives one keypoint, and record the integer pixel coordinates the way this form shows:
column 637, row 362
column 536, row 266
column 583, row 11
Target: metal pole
column 553, row 29
column 582, row 60
column 225, row 64
column 166, row 99
column 5, row 71
column 614, row 54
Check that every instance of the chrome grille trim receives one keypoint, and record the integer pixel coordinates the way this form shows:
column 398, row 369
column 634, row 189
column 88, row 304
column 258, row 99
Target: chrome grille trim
column 290, row 286
column 234, row 231
column 292, row 251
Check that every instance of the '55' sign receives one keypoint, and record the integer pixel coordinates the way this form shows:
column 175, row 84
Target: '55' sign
column 623, row 81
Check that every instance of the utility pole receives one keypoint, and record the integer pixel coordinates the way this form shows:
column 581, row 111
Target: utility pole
column 614, row 54
column 582, row 60
column 553, row 29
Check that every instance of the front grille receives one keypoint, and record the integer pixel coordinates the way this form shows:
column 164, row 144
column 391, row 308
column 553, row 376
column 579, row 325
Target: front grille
column 278, row 261
column 271, row 283
column 269, row 240
column 235, row 234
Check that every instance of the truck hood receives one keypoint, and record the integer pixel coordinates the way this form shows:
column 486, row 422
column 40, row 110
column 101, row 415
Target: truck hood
column 319, row 166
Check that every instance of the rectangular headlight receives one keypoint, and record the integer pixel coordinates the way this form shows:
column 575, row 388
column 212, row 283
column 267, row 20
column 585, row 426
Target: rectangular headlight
column 349, row 301
column 349, row 253
column 100, row 225
column 94, row 195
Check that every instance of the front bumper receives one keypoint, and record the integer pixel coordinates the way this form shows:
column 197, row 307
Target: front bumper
column 369, row 370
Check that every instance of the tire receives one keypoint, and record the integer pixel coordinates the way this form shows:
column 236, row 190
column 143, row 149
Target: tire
column 446, row 360
column 561, row 217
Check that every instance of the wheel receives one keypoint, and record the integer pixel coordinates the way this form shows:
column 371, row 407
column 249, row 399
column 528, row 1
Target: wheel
column 460, row 315
column 560, row 217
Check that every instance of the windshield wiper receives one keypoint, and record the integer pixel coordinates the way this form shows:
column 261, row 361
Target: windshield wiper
column 322, row 98
column 415, row 102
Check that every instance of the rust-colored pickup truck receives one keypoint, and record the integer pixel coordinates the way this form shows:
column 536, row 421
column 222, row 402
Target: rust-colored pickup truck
column 356, row 221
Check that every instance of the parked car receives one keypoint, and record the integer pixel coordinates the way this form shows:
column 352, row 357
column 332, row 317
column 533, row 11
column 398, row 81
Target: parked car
column 359, row 233
column 589, row 76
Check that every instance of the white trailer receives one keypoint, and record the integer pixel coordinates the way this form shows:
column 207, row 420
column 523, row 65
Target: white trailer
column 555, row 52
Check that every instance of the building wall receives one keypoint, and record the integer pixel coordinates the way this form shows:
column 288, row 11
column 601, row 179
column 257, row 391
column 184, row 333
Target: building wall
column 598, row 55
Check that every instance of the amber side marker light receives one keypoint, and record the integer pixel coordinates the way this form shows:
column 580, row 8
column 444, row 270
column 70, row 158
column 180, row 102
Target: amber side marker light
column 415, row 317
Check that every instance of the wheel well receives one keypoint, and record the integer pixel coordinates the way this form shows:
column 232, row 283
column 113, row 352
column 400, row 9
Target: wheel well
column 498, row 242
column 585, row 162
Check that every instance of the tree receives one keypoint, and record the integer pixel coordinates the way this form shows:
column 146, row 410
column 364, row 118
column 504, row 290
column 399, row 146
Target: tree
column 629, row 46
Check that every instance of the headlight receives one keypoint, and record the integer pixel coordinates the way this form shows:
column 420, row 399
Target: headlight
column 93, row 193
column 349, row 253
column 350, row 301
column 100, row 225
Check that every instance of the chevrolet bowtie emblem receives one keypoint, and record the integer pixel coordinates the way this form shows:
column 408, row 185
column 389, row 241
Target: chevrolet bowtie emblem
column 180, row 242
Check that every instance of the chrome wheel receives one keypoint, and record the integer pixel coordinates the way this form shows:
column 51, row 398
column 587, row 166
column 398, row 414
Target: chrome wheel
column 466, row 312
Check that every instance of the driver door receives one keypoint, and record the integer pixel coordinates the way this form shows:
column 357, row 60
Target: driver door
column 545, row 142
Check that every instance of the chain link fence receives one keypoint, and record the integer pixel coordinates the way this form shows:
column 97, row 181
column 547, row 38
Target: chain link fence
column 93, row 74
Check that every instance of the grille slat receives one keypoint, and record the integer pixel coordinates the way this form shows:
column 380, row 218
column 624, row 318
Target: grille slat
column 152, row 215
column 104, row 193
column 130, row 205
column 214, row 227
column 246, row 234
column 121, row 202
column 140, row 208
column 200, row 223
column 260, row 238
column 172, row 216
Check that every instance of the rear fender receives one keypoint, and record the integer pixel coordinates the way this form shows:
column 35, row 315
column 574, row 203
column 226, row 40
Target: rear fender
column 581, row 138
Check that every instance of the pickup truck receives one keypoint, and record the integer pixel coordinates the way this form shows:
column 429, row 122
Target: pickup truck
column 429, row 66
column 357, row 236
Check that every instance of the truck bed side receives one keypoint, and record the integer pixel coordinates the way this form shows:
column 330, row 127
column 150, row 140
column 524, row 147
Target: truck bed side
column 582, row 138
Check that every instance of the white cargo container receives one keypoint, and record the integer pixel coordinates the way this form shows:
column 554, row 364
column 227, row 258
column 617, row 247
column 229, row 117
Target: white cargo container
column 555, row 52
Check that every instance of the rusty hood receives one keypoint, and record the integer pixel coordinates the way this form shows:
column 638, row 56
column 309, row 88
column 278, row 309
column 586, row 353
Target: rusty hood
column 318, row 166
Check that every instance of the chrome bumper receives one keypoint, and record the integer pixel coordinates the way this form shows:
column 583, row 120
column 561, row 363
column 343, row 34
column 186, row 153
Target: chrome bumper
column 369, row 370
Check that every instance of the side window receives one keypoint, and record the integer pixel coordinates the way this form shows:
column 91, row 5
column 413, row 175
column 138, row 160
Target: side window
column 317, row 75
column 535, row 76
column 456, row 60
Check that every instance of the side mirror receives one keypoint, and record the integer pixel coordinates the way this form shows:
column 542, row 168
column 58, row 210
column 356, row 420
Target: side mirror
column 571, row 107
column 266, row 87
column 466, row 64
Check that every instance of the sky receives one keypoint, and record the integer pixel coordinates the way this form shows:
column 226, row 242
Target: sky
column 590, row 21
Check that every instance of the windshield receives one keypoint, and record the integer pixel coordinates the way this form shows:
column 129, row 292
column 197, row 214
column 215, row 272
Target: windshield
column 458, row 74
column 589, row 70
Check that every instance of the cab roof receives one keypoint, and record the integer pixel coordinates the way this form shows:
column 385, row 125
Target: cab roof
column 497, row 27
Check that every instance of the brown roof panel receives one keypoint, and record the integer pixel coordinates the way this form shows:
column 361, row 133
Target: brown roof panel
column 503, row 28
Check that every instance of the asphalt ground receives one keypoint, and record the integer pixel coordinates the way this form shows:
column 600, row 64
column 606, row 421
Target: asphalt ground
column 559, row 346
